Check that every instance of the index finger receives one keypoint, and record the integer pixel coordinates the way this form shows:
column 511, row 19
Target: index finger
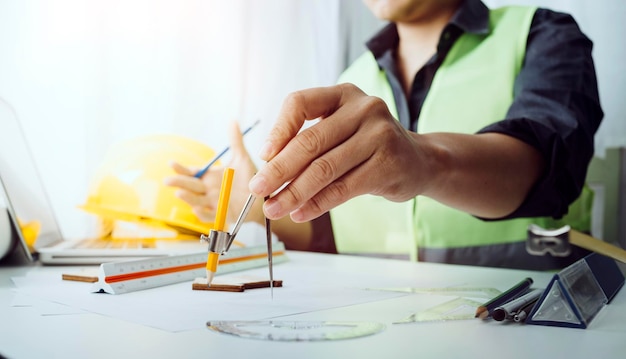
column 298, row 107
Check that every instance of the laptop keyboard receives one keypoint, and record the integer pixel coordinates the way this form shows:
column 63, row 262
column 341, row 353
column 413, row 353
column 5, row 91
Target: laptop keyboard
column 130, row 243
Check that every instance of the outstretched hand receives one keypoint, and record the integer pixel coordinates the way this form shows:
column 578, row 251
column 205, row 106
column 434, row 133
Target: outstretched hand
column 357, row 147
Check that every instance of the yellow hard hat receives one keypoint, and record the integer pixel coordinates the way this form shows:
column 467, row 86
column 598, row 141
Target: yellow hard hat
column 129, row 184
column 30, row 231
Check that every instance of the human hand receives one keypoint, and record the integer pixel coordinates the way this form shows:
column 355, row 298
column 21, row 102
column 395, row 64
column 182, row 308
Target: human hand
column 202, row 194
column 357, row 147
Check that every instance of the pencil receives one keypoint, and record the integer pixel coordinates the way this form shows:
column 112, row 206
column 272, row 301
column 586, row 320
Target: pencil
column 220, row 221
column 211, row 266
column 520, row 288
column 221, row 154
column 222, row 203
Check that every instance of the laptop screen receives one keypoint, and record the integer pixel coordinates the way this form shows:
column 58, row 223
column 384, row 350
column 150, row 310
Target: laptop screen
column 24, row 194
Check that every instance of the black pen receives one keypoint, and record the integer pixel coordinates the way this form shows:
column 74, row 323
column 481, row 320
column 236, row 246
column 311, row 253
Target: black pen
column 520, row 288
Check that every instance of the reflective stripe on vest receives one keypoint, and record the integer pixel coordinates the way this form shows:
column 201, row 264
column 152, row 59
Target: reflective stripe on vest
column 472, row 88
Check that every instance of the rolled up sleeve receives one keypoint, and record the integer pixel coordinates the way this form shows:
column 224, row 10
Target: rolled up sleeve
column 556, row 109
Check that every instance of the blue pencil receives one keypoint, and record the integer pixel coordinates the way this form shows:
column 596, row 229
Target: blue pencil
column 216, row 158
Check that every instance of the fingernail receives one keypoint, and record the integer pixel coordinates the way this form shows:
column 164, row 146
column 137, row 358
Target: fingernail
column 257, row 185
column 297, row 216
column 266, row 151
column 272, row 209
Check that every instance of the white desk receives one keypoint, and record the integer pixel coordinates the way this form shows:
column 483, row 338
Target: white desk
column 25, row 333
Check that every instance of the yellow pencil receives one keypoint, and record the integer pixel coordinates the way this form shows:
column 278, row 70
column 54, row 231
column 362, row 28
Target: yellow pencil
column 220, row 221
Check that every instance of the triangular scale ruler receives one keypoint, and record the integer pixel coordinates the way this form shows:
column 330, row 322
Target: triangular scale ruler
column 578, row 292
column 556, row 307
column 134, row 275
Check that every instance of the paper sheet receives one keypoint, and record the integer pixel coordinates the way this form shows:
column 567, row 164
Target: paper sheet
column 42, row 306
column 178, row 308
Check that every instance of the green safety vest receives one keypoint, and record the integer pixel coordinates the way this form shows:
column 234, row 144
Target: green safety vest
column 465, row 96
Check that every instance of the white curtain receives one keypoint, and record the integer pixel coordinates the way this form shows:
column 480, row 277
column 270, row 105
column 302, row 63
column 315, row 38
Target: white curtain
column 82, row 75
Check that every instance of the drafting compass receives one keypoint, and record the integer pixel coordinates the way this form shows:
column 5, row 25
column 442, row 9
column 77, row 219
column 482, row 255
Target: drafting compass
column 268, row 235
column 220, row 241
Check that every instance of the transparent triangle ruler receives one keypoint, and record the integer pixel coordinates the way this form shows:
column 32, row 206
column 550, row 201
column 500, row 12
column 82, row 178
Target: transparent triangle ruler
column 456, row 309
column 134, row 275
column 460, row 308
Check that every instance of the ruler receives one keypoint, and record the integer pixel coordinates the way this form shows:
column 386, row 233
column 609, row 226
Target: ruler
column 134, row 275
column 296, row 331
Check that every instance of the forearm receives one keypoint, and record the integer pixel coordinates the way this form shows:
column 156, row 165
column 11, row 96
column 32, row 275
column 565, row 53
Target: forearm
column 487, row 175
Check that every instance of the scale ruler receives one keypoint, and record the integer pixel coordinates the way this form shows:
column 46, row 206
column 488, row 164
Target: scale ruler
column 130, row 276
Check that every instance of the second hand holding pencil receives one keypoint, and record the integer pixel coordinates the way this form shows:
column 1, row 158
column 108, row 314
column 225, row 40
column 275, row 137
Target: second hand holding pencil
column 221, row 154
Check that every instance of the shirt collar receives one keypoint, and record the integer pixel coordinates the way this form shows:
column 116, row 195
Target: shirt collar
column 472, row 16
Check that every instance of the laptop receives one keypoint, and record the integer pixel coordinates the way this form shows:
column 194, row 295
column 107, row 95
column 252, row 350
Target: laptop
column 25, row 198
